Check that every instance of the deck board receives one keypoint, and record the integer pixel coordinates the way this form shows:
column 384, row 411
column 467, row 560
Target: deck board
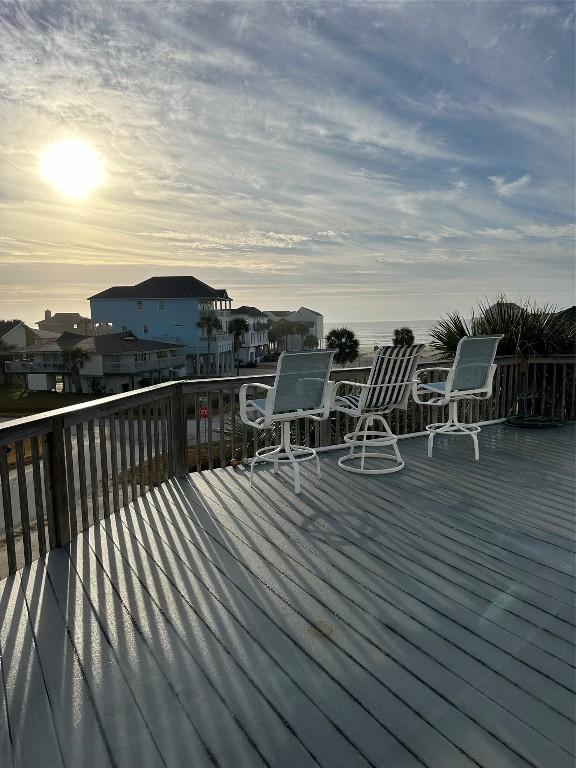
column 424, row 618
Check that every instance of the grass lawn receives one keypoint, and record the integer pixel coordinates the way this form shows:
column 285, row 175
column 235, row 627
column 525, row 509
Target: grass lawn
column 20, row 402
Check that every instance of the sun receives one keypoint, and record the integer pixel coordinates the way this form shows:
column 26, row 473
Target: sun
column 72, row 167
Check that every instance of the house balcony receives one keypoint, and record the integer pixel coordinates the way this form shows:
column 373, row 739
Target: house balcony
column 156, row 610
column 26, row 366
column 137, row 366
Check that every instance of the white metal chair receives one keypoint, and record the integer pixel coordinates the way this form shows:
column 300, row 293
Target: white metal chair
column 302, row 389
column 388, row 387
column 469, row 378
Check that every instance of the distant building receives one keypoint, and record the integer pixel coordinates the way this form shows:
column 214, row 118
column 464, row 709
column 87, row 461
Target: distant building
column 314, row 320
column 118, row 362
column 167, row 309
column 71, row 322
column 254, row 343
column 20, row 335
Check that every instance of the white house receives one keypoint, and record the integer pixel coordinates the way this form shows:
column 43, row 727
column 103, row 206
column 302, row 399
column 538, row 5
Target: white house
column 168, row 309
column 254, row 343
column 117, row 362
column 21, row 335
column 314, row 320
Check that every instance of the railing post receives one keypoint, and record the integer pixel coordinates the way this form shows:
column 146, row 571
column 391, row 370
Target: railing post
column 179, row 432
column 58, row 483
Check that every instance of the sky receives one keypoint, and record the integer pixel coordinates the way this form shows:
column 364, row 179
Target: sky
column 372, row 161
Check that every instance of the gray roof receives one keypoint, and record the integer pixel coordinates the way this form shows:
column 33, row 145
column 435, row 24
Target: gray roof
column 108, row 344
column 172, row 287
column 279, row 312
column 250, row 311
column 64, row 316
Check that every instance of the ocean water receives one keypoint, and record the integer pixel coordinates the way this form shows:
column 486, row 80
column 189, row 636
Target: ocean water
column 371, row 334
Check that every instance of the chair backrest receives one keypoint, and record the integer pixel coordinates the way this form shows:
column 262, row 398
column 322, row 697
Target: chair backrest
column 302, row 381
column 390, row 379
column 473, row 362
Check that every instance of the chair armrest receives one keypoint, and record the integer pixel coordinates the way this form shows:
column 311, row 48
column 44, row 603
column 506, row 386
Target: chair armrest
column 426, row 370
column 242, row 398
column 373, row 386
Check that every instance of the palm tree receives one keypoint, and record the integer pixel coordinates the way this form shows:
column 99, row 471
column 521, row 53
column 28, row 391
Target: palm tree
column 237, row 326
column 209, row 323
column 282, row 329
column 344, row 341
column 310, row 341
column 301, row 329
column 403, row 337
column 74, row 360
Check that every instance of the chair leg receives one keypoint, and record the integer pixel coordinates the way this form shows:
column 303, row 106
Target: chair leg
column 290, row 454
column 365, row 438
column 453, row 427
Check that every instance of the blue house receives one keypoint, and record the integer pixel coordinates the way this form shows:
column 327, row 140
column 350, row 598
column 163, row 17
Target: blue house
column 168, row 309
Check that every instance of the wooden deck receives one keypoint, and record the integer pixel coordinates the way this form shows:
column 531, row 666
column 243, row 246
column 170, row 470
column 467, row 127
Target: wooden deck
column 420, row 619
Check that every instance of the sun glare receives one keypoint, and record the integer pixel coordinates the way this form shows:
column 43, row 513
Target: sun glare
column 72, row 167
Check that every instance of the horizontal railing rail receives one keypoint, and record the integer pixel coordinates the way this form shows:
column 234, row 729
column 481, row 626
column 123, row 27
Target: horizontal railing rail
column 130, row 366
column 27, row 366
column 63, row 470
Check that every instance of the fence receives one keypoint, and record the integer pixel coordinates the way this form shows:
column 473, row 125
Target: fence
column 64, row 470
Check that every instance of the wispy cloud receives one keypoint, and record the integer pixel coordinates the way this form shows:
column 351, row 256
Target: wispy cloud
column 509, row 188
column 336, row 151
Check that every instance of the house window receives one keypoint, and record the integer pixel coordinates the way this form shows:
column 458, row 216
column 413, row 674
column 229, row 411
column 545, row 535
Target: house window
column 140, row 305
column 161, row 306
column 162, row 354
column 145, row 328
column 124, row 328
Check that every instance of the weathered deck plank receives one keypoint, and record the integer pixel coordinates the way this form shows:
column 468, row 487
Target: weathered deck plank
column 420, row 619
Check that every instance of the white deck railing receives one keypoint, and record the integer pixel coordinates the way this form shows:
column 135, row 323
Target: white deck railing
column 63, row 470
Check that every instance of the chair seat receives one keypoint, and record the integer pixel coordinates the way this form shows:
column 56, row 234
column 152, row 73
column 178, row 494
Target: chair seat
column 260, row 405
column 350, row 401
column 436, row 386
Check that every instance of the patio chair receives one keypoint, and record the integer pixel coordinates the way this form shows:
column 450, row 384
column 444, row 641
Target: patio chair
column 301, row 390
column 388, row 387
column 469, row 378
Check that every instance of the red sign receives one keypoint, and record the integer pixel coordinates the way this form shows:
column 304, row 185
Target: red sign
column 203, row 411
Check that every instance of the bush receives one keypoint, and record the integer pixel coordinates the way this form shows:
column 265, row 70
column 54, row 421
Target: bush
column 528, row 329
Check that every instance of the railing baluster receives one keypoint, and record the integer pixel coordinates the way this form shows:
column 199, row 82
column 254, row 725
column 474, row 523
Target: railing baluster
column 132, row 449
column 93, row 471
column 70, row 481
column 38, row 495
column 123, row 460
column 48, row 492
column 232, row 397
column 221, row 426
column 23, row 499
column 167, row 470
column 198, row 435
column 83, row 492
column 7, row 504
column 149, row 454
column 141, row 461
column 553, row 398
column 156, row 433
column 114, row 463
column 209, row 438
column 104, row 467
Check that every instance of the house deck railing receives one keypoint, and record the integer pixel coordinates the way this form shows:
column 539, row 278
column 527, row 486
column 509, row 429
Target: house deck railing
column 64, row 470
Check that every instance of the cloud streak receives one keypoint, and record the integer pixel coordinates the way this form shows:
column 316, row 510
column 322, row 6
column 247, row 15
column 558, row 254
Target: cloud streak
column 319, row 145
